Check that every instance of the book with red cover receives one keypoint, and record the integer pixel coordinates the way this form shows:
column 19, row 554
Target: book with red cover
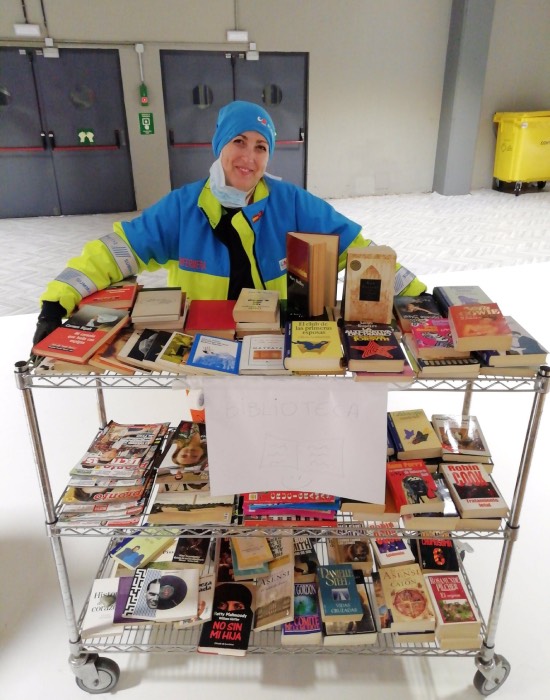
column 266, row 498
column 455, row 612
column 211, row 317
column 413, row 487
column 479, row 327
column 82, row 333
column 120, row 295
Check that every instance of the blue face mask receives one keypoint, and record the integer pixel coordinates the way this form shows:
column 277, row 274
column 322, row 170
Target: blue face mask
column 228, row 196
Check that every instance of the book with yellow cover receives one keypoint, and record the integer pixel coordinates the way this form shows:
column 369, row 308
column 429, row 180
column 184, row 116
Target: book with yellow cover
column 313, row 346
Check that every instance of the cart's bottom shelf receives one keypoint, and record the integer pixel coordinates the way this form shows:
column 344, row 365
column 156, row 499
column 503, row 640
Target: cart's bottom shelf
column 165, row 638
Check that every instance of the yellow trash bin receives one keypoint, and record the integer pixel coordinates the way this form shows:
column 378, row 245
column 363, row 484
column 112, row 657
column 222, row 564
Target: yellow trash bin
column 522, row 151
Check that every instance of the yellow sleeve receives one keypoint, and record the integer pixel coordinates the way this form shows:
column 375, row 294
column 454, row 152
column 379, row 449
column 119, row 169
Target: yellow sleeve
column 406, row 282
column 101, row 263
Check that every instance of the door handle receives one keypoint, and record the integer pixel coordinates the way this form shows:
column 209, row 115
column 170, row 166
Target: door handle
column 302, row 134
column 171, row 137
column 117, row 138
column 44, row 140
column 51, row 139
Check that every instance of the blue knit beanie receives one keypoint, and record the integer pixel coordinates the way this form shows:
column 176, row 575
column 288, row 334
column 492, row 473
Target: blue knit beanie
column 238, row 117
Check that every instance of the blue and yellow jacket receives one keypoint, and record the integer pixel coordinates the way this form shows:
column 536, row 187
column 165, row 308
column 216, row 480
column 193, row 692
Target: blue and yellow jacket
column 176, row 233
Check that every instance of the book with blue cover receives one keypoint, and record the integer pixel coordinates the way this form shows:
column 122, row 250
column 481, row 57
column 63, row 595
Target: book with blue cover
column 212, row 355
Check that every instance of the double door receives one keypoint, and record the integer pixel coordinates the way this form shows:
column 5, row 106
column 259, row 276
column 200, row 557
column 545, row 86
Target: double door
column 196, row 84
column 63, row 135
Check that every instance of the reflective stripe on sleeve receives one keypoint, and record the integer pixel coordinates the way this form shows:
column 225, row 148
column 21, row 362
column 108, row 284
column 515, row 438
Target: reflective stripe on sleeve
column 403, row 278
column 122, row 254
column 77, row 280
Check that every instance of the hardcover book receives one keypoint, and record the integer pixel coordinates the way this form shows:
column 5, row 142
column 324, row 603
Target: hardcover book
column 525, row 351
column 338, row 596
column 413, row 435
column 454, row 295
column 456, row 614
column 212, row 317
column 313, row 346
column 409, row 310
column 256, row 306
column 407, row 598
column 306, row 626
column 474, row 491
column 214, row 355
column 157, row 304
column 413, row 487
column 82, row 333
column 479, row 327
column 312, row 270
column 369, row 284
column 461, row 437
column 372, row 347
column 262, row 354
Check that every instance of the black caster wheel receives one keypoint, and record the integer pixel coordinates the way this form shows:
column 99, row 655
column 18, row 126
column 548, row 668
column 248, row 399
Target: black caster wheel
column 517, row 188
column 541, row 184
column 498, row 184
column 487, row 686
column 108, row 674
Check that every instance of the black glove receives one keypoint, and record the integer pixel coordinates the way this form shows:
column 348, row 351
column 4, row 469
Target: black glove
column 50, row 317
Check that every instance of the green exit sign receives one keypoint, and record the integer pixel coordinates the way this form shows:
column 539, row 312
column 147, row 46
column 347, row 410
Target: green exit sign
column 146, row 123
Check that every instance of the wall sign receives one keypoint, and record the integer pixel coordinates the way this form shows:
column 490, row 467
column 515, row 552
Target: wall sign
column 146, row 123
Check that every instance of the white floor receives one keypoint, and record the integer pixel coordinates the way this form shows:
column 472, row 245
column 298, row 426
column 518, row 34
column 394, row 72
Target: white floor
column 34, row 638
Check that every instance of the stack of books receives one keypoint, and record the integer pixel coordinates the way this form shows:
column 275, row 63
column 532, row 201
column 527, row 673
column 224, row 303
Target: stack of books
column 288, row 508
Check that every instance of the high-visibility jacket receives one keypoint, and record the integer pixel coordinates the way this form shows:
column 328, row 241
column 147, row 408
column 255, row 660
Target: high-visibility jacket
column 177, row 234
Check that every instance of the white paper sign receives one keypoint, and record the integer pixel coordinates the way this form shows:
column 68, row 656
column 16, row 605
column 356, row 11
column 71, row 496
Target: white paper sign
column 320, row 434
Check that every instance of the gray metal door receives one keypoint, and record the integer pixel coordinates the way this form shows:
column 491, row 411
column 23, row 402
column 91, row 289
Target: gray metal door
column 81, row 142
column 196, row 84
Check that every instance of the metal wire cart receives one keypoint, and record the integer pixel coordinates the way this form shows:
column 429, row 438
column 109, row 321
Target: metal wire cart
column 99, row 674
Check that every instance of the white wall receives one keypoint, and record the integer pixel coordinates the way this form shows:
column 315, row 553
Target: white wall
column 375, row 80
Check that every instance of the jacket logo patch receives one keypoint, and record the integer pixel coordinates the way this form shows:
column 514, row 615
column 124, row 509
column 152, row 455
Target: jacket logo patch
column 190, row 264
column 282, row 264
column 257, row 216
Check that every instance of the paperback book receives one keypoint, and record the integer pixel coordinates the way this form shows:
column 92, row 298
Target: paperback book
column 313, row 346
column 353, row 633
column 454, row 295
column 525, row 351
column 474, row 491
column 257, row 306
column 413, row 435
column 262, row 354
column 433, row 340
column 157, row 304
column 228, row 632
column 86, row 330
column 212, row 317
column 338, row 597
column 479, row 327
column 305, row 627
column 119, row 295
column 413, row 310
column 372, row 347
column 413, row 487
column 407, row 598
column 213, row 355
column 163, row 595
column 369, row 284
column 456, row 614
column 389, row 548
column 461, row 437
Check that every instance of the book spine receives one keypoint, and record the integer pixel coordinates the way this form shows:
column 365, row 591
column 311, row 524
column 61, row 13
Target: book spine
column 442, row 300
column 394, row 435
column 287, row 343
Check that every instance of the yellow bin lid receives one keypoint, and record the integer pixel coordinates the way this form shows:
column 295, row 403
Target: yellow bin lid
column 518, row 116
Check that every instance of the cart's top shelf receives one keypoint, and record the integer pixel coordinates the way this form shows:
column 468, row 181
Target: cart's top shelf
column 26, row 378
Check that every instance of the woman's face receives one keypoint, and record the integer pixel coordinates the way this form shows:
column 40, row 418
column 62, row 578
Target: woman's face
column 190, row 454
column 244, row 160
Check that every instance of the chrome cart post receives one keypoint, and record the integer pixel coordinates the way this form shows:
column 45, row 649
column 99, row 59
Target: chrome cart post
column 492, row 668
column 86, row 667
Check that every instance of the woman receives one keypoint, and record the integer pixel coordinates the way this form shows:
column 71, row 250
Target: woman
column 214, row 236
